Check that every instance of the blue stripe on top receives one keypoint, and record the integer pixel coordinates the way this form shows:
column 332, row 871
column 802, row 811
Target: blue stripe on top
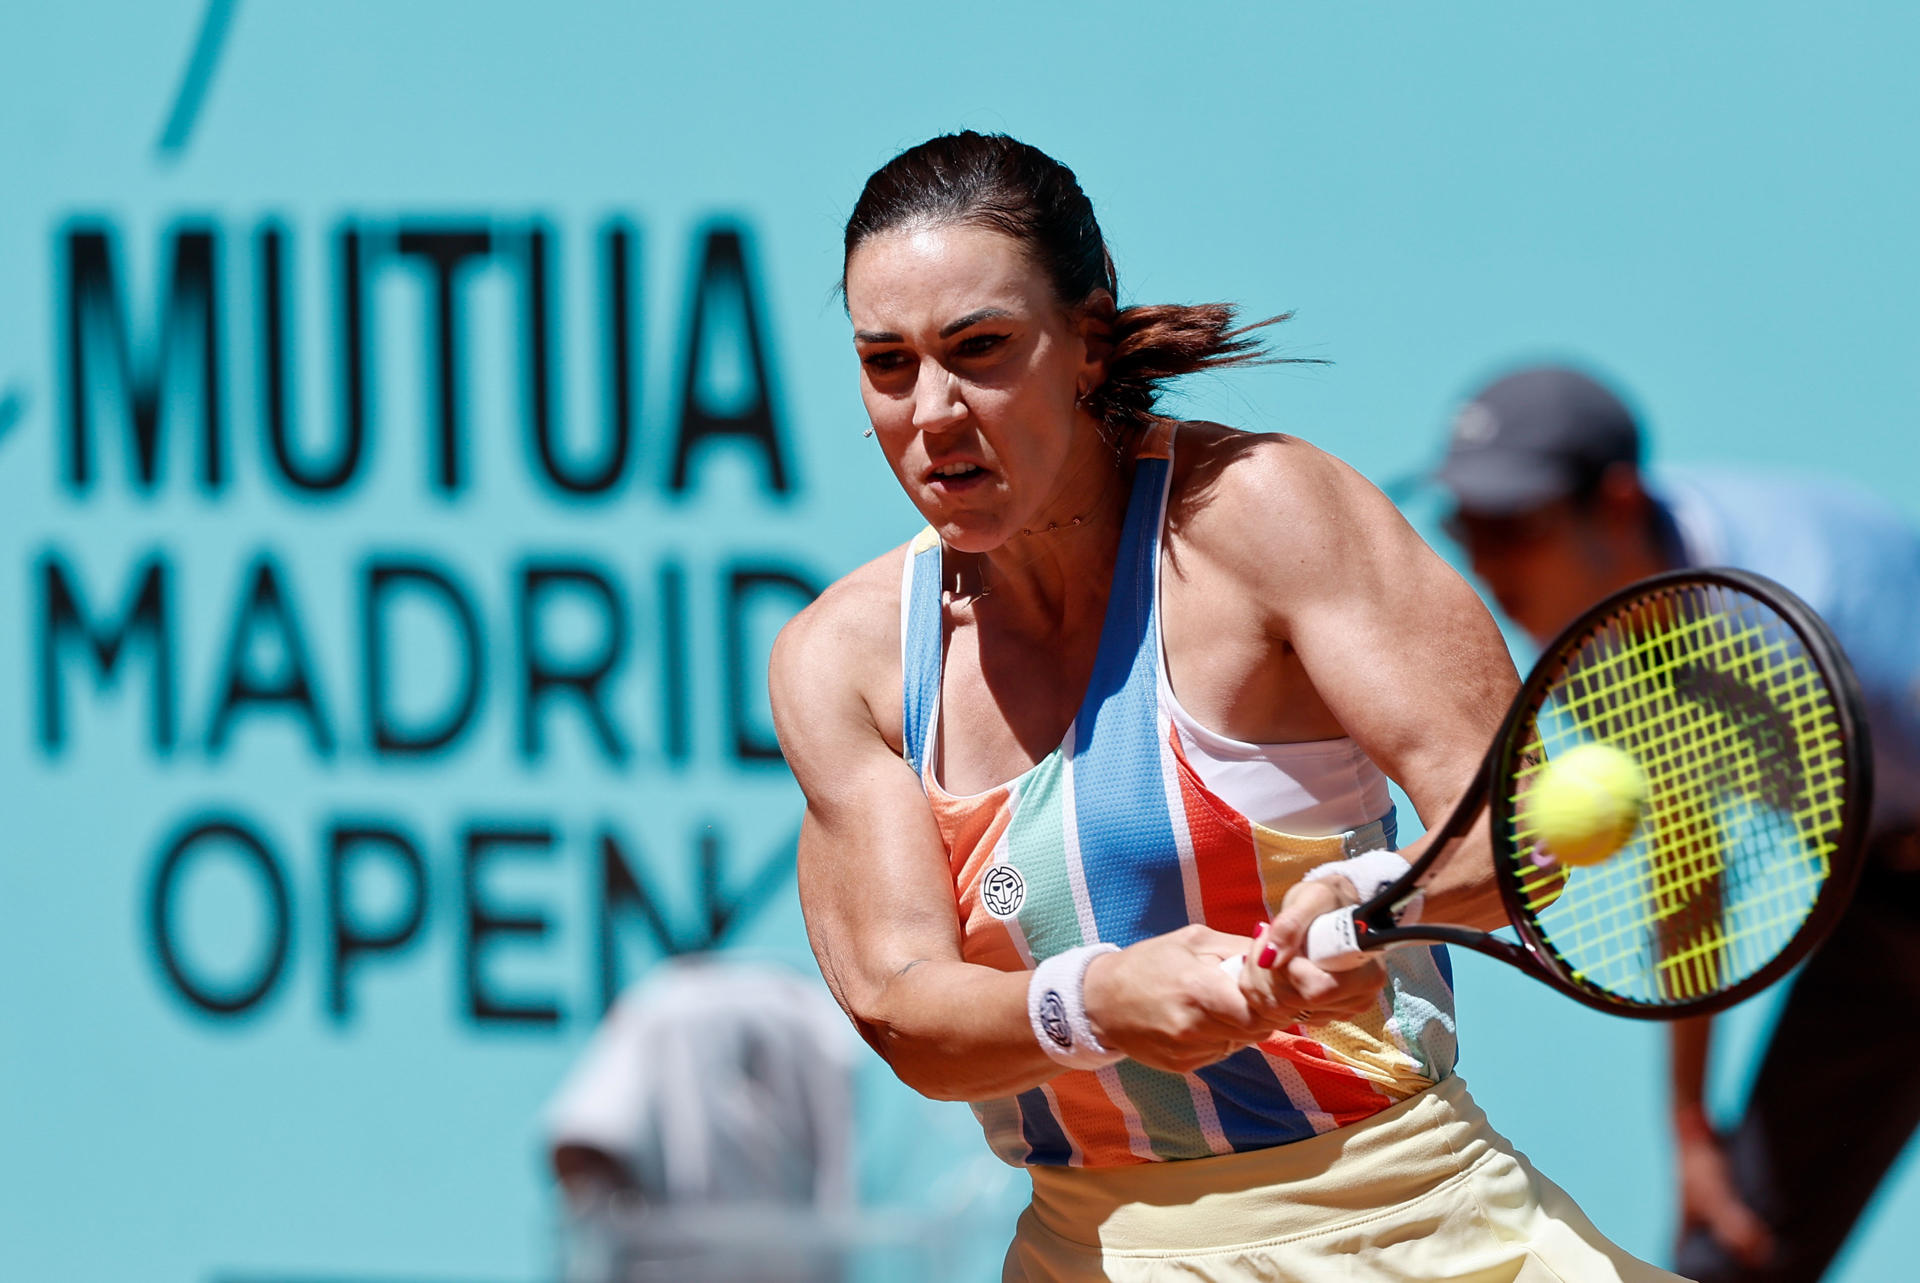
column 1047, row 1144
column 920, row 654
column 1254, row 1109
column 1119, row 790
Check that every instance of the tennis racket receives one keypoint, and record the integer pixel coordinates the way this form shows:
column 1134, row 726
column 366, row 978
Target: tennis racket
column 1745, row 719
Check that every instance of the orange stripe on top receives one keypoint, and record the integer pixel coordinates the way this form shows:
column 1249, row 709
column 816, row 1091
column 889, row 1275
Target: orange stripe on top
column 1090, row 1116
column 972, row 828
column 1341, row 1092
column 1231, row 895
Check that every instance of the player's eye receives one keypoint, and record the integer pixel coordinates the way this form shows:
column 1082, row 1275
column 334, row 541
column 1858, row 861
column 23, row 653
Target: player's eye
column 980, row 344
column 881, row 362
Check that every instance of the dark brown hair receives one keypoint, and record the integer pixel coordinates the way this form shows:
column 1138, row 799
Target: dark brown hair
column 993, row 181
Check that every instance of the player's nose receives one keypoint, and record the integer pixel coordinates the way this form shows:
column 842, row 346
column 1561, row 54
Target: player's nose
column 937, row 403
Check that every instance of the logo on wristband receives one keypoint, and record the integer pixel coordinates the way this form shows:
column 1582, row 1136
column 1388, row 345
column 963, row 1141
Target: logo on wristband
column 1053, row 1019
column 1003, row 891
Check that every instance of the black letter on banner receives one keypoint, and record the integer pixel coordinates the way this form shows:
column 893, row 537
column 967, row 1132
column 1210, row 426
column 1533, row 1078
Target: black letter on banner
column 621, row 887
column 244, row 842
column 483, row 923
column 676, row 674
column 275, row 341
column 348, row 939
column 243, row 689
column 590, row 481
column 189, row 309
column 446, row 249
column 726, row 911
column 145, row 617
column 746, row 669
column 723, row 266
column 541, row 675
column 388, row 736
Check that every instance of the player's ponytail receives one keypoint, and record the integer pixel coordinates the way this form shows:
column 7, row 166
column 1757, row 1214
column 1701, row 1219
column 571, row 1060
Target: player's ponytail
column 1153, row 343
column 993, row 181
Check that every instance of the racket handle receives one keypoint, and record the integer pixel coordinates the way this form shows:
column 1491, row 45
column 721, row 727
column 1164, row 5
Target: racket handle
column 1332, row 942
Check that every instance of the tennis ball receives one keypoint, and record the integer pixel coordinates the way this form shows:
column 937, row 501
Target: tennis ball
column 1585, row 803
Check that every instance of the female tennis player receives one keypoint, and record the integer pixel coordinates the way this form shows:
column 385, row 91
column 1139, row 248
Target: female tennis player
column 1133, row 696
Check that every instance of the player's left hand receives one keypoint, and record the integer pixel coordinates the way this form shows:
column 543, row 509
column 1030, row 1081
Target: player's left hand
column 1283, row 985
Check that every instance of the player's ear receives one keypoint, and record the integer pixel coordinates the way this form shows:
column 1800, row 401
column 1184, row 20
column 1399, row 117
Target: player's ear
column 1093, row 319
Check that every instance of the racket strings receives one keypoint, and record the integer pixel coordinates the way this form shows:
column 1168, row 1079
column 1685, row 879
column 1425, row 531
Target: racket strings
column 1738, row 736
column 1690, row 925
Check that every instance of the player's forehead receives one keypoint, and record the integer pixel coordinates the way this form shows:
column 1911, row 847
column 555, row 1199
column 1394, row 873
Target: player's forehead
column 919, row 279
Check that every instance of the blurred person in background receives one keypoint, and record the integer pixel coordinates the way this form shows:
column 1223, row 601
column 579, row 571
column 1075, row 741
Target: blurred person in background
column 1555, row 510
column 714, row 1102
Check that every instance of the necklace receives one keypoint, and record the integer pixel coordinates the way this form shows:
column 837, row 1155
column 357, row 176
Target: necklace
column 1052, row 526
column 955, row 597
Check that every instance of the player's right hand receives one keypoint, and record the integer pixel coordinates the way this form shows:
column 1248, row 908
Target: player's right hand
column 1285, row 986
column 1166, row 1003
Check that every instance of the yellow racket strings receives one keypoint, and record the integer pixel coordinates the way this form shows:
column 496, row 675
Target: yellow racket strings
column 1738, row 737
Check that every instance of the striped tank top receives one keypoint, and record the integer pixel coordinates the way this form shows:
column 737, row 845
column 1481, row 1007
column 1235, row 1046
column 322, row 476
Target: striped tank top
column 1113, row 837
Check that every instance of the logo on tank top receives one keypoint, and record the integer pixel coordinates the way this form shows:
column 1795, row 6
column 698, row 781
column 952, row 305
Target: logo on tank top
column 1003, row 891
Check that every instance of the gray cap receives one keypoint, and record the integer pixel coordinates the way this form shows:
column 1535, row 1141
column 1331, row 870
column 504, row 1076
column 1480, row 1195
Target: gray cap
column 1535, row 436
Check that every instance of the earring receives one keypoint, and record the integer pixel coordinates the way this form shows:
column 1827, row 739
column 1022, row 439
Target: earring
column 868, row 434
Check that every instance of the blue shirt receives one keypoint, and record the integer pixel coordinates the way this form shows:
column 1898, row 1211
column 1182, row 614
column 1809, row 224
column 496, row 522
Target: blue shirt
column 1851, row 557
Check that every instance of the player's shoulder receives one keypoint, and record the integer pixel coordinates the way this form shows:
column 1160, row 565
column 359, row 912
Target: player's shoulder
column 842, row 651
column 1272, row 487
column 853, row 622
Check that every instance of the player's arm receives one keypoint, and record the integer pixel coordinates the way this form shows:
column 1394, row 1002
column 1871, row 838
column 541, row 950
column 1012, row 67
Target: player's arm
column 1708, row 1195
column 879, row 899
column 1396, row 644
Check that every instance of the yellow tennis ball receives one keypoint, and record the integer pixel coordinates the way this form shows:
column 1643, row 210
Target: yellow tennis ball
column 1584, row 804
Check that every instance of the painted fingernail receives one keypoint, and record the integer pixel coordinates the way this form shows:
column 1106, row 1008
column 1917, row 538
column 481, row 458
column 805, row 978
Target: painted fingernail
column 1267, row 956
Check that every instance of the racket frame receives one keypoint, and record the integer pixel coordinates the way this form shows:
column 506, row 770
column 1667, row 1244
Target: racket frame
column 1375, row 925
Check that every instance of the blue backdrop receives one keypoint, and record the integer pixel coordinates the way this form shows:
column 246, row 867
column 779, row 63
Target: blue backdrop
column 415, row 421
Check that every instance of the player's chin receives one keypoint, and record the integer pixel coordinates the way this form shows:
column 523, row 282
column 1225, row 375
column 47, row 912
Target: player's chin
column 971, row 532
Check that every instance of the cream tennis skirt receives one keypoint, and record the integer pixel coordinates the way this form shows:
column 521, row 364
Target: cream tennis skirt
column 1425, row 1190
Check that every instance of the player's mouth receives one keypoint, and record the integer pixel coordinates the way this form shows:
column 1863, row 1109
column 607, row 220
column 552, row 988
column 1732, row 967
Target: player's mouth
column 957, row 477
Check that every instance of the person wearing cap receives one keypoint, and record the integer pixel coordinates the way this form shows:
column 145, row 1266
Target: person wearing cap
column 1555, row 508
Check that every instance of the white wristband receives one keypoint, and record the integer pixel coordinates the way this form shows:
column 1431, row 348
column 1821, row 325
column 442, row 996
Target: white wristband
column 1371, row 872
column 1057, row 1009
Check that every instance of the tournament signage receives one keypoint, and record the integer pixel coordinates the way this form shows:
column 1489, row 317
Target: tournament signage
column 421, row 653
